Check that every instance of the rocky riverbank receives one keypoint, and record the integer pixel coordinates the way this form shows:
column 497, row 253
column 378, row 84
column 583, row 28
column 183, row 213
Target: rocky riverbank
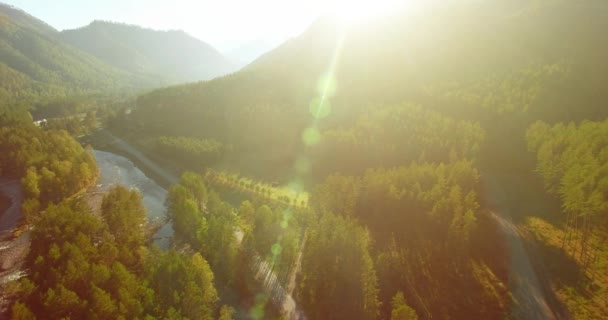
column 13, row 249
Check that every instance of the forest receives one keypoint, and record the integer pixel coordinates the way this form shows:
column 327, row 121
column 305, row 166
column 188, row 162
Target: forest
column 50, row 163
column 398, row 169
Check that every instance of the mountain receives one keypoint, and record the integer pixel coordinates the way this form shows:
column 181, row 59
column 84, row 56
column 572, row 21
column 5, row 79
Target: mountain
column 392, row 58
column 25, row 20
column 469, row 59
column 171, row 56
column 423, row 88
column 36, row 65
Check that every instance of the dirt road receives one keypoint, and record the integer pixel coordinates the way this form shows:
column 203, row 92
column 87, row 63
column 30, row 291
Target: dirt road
column 529, row 302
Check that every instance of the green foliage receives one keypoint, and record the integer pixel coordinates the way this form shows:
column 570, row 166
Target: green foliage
column 266, row 229
column 36, row 65
column 400, row 310
column 184, row 212
column 84, row 267
column 397, row 219
column 423, row 219
column 247, row 215
column 338, row 279
column 226, row 313
column 392, row 136
column 192, row 152
column 274, row 234
column 12, row 116
column 184, row 286
column 205, row 222
column 126, row 217
column 453, row 61
column 75, row 125
column 77, row 271
column 574, row 164
column 387, row 200
column 21, row 312
column 51, row 165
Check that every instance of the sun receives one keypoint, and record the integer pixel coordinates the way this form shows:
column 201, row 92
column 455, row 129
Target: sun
column 354, row 11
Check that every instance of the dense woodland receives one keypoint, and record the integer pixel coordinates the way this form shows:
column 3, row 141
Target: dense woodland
column 36, row 66
column 50, row 163
column 39, row 63
column 393, row 141
column 94, row 265
column 97, row 266
column 465, row 108
column 424, row 221
column 572, row 161
column 192, row 152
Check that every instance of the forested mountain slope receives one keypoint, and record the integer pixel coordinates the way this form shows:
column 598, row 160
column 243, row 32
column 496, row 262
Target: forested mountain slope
column 391, row 124
column 168, row 56
column 25, row 20
column 399, row 117
column 36, row 65
column 477, row 61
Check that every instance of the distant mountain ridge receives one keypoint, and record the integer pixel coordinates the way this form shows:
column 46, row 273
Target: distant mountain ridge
column 37, row 62
column 171, row 56
column 24, row 19
column 36, row 65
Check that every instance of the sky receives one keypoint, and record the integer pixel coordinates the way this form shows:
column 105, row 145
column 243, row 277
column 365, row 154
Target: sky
column 225, row 24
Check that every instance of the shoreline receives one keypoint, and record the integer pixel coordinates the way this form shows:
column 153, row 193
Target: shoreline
column 104, row 140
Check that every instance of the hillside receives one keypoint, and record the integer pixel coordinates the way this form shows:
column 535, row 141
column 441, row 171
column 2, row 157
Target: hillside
column 469, row 61
column 168, row 56
column 25, row 20
column 36, row 65
column 396, row 123
column 448, row 161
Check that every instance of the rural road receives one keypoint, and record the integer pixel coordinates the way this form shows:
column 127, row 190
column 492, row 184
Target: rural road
column 529, row 302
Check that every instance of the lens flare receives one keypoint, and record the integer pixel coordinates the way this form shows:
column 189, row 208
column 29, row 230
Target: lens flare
column 311, row 136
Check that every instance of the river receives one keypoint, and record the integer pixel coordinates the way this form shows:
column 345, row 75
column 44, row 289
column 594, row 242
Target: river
column 113, row 170
column 117, row 170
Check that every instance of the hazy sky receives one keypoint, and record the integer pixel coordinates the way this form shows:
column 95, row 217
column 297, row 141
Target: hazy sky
column 225, row 24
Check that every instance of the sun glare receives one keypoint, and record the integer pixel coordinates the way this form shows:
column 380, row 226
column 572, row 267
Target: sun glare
column 353, row 11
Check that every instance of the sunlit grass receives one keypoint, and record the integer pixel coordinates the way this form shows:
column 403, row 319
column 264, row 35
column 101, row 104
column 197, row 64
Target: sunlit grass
column 584, row 289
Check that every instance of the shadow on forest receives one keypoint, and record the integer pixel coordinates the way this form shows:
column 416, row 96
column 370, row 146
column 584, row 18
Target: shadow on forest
column 565, row 271
column 488, row 241
column 558, row 270
column 527, row 197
